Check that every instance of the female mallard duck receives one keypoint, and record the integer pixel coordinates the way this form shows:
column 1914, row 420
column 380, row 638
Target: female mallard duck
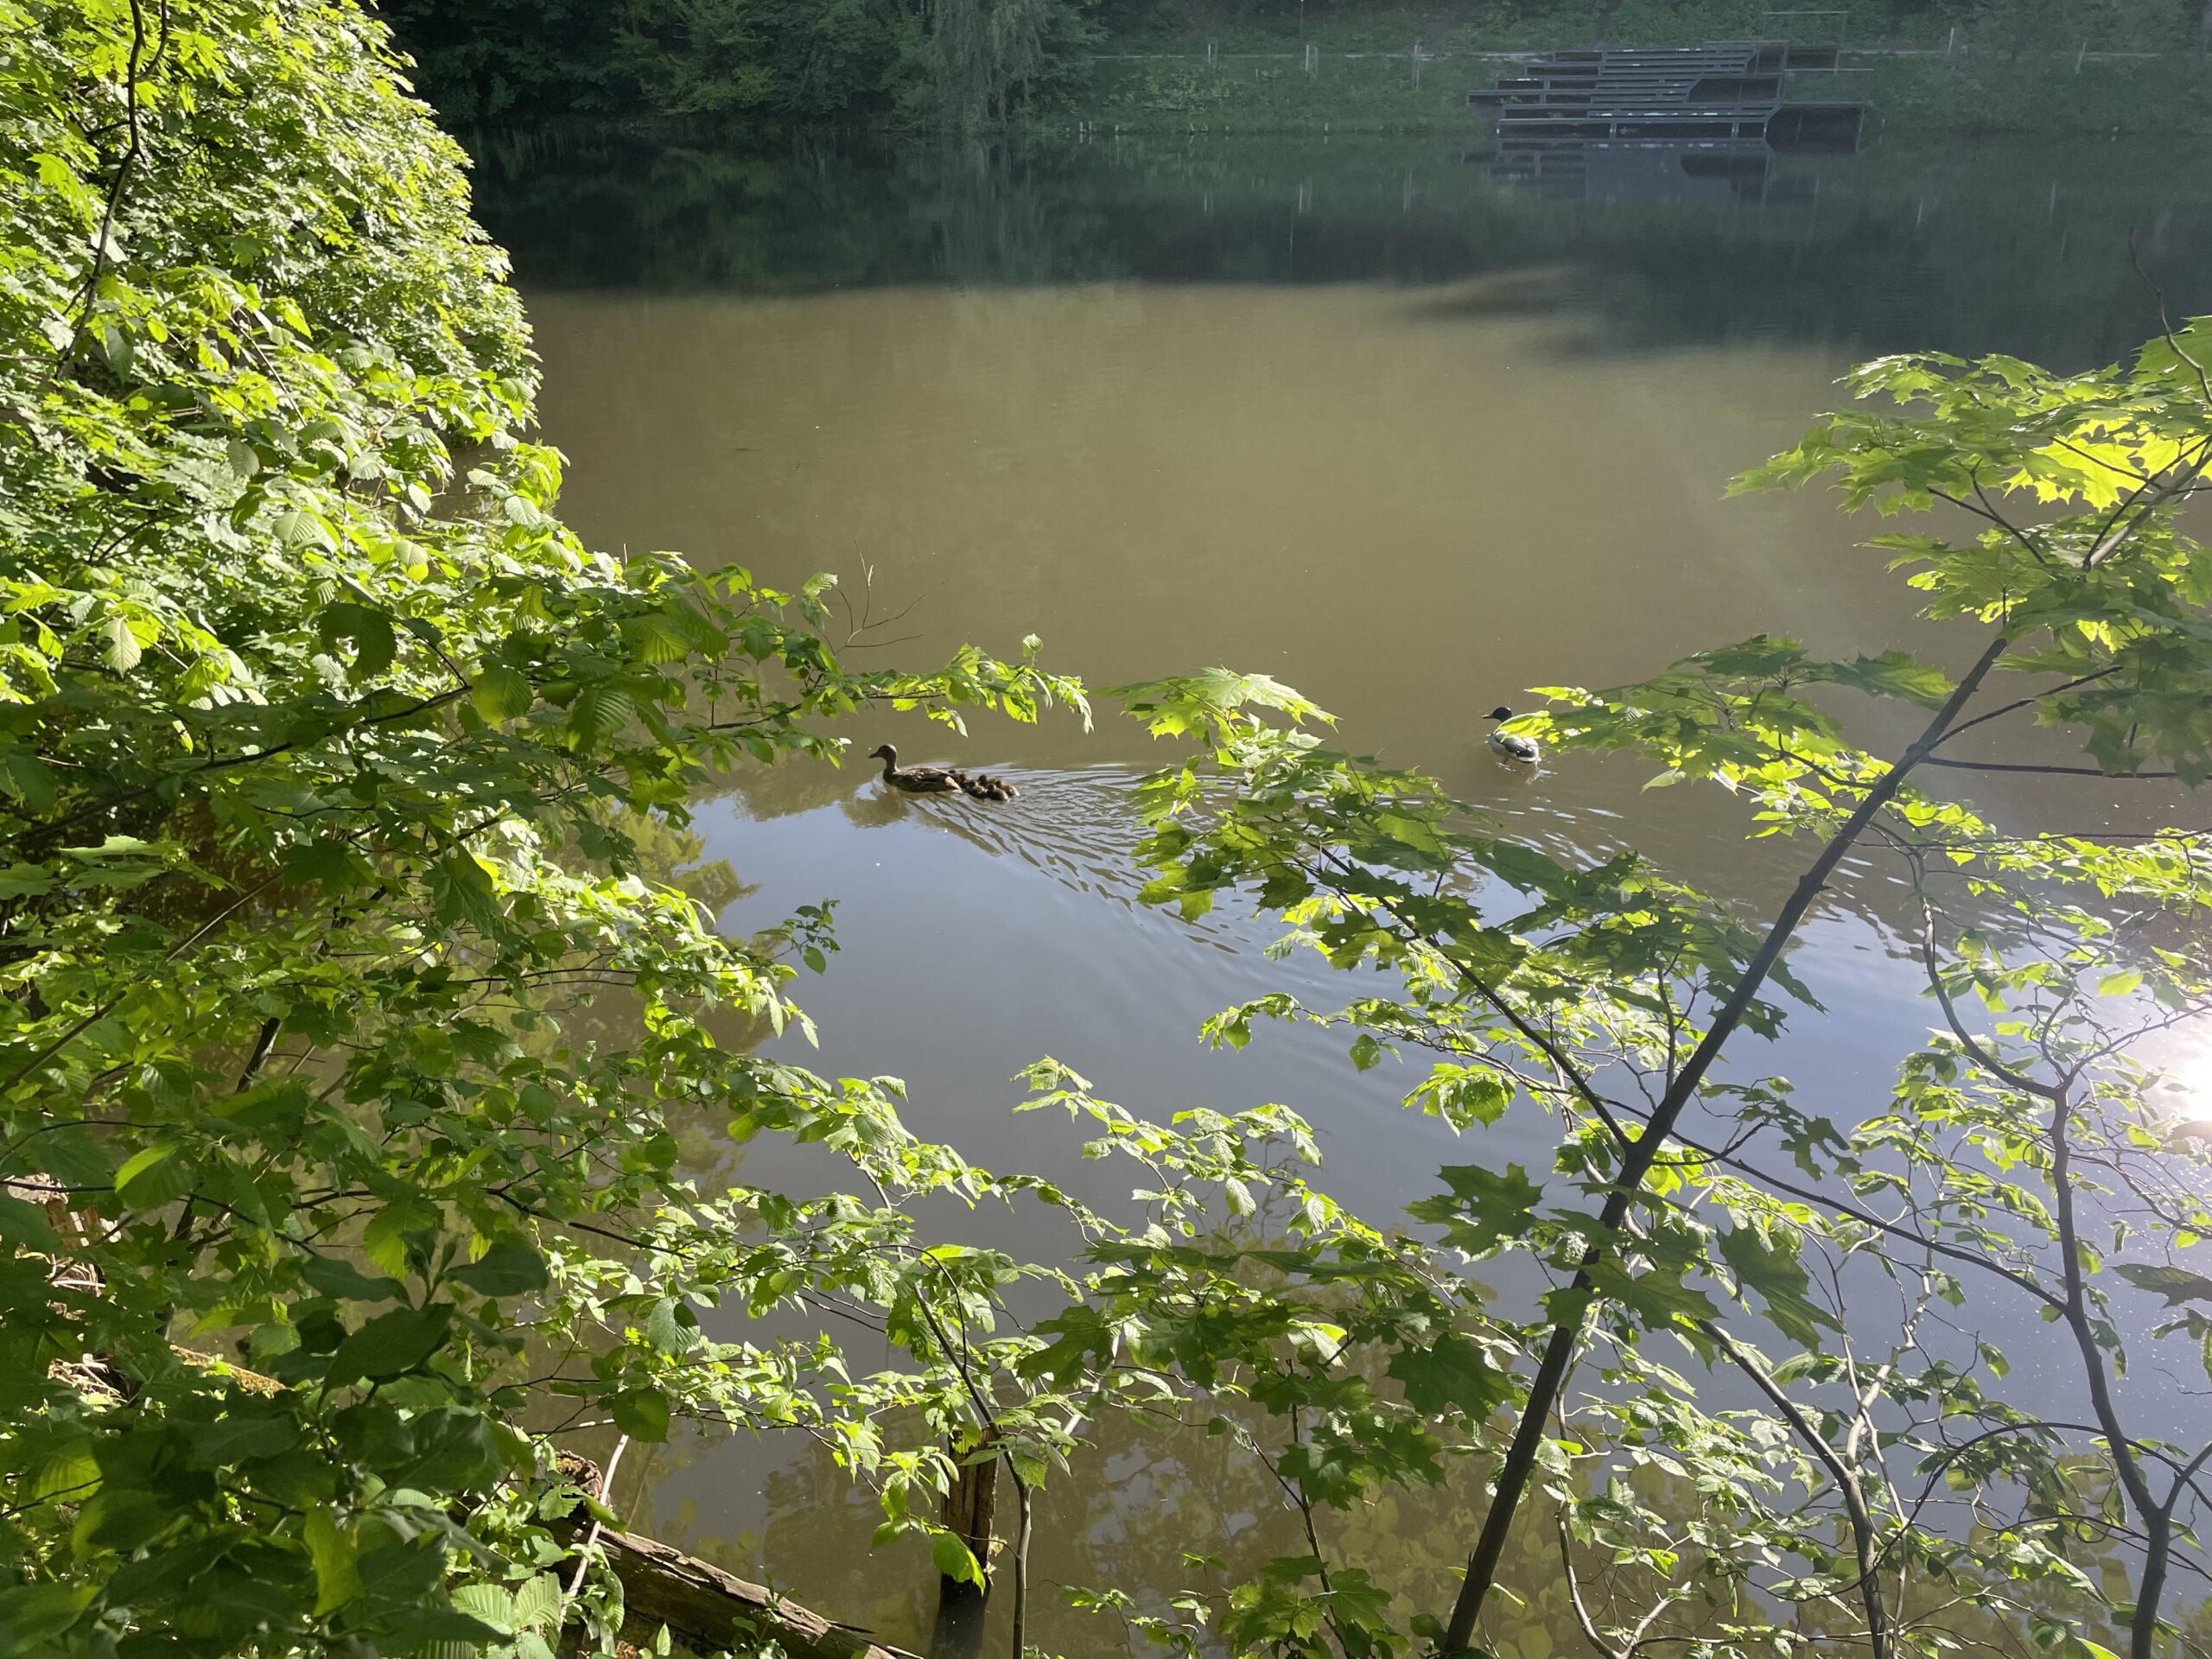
column 940, row 780
column 1512, row 744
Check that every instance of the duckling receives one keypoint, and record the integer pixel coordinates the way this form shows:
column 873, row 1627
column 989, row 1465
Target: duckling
column 1512, row 744
column 984, row 787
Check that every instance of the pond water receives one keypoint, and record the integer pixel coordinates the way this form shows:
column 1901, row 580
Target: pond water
column 1370, row 416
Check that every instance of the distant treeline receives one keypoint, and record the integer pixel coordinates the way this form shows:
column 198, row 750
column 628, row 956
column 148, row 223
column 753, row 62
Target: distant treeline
column 922, row 62
column 966, row 64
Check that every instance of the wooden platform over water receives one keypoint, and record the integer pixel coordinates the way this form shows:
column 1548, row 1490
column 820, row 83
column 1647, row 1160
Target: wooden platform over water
column 1724, row 92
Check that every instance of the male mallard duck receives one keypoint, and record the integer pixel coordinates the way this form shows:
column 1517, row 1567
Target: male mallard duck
column 940, row 780
column 1512, row 744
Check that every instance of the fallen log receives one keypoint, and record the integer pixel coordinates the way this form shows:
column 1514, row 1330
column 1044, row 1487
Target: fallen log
column 709, row 1609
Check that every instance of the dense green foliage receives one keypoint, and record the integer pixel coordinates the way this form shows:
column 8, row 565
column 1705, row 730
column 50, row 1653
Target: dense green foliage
column 325, row 751
column 358, row 1030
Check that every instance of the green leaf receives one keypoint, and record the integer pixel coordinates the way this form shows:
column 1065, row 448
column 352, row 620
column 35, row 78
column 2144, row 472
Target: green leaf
column 337, row 1560
column 1462, row 1095
column 120, row 649
column 538, row 1602
column 243, row 1437
column 510, row 1268
column 26, row 1224
column 656, row 638
column 493, row 1603
column 298, row 528
column 330, row 1275
column 154, row 1176
column 599, row 713
column 954, row 1560
column 375, row 643
column 1484, row 1207
column 457, row 1449
column 74, row 1156
column 1776, row 1274
column 32, row 1615
column 406, row 1224
column 1451, row 1374
column 392, row 1345
column 2176, row 1285
column 462, row 891
column 25, row 882
column 501, row 694
column 642, row 1414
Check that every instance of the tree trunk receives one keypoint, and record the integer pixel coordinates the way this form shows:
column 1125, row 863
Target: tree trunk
column 1520, row 1460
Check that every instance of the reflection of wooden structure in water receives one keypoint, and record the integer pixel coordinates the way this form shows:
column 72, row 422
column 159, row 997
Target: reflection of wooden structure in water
column 1570, row 170
column 1723, row 94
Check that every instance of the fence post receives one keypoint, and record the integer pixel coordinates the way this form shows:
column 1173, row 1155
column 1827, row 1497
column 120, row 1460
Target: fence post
column 1312, row 58
column 1416, row 65
column 1213, row 53
column 2078, row 56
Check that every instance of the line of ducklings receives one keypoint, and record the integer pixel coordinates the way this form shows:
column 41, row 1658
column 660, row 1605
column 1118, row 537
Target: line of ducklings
column 941, row 780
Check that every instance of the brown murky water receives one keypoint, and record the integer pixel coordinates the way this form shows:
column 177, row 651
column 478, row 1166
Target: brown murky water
column 1412, row 499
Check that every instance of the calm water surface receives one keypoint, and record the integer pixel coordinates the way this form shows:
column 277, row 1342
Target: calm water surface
column 1366, row 417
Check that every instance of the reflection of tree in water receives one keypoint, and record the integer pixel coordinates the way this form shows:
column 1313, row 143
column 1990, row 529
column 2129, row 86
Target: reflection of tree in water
column 2007, row 248
column 614, row 213
column 1142, row 1501
column 1139, row 1502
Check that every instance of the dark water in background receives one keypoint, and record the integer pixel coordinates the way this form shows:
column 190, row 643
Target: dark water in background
column 1974, row 247
column 1365, row 415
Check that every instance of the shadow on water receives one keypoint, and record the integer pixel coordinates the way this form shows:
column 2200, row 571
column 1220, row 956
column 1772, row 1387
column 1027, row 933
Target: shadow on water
column 2003, row 248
